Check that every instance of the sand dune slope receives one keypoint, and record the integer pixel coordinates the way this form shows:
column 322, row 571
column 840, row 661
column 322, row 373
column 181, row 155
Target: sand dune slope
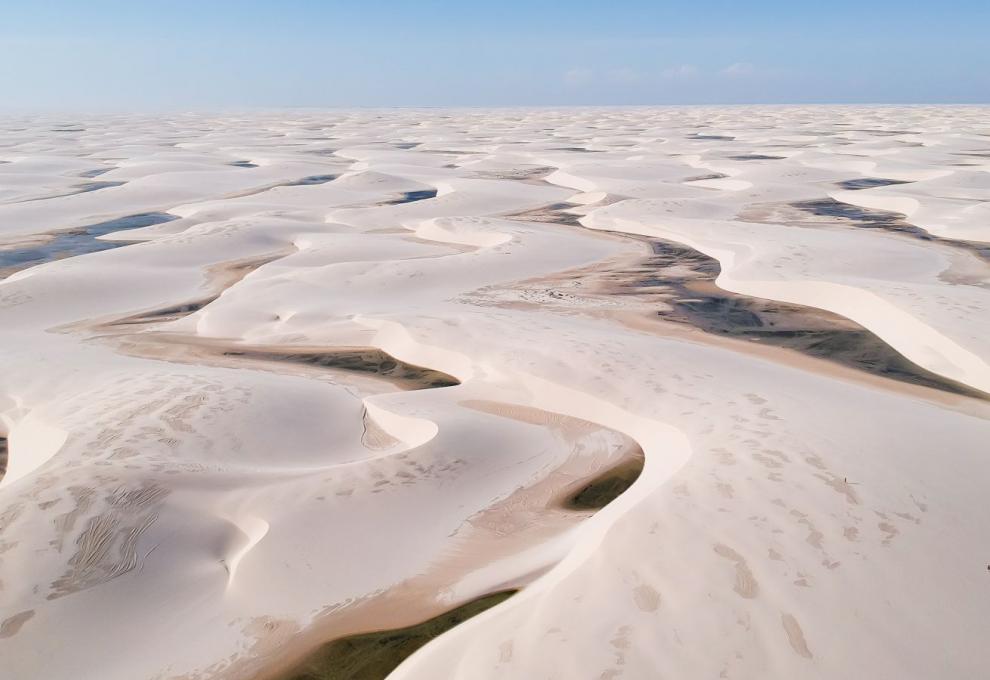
column 272, row 380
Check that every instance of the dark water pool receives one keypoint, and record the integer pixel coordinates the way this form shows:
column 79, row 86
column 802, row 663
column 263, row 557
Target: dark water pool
column 411, row 196
column 77, row 241
column 312, row 179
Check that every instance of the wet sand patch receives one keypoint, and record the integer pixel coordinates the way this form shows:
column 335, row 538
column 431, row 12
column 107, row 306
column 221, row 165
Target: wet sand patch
column 832, row 209
column 868, row 183
column 884, row 133
column 595, row 486
column 686, row 280
column 607, row 486
column 452, row 152
column 96, row 186
column 89, row 174
column 356, row 360
column 701, row 178
column 369, row 369
column 830, row 212
column 165, row 314
column 374, row 655
column 361, row 361
column 83, row 188
column 532, row 175
column 680, row 281
column 553, row 214
column 576, row 149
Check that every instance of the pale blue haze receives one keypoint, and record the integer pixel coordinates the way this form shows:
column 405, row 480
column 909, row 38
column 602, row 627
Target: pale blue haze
column 106, row 55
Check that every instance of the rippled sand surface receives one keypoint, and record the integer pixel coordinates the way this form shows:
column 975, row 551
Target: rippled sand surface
column 707, row 388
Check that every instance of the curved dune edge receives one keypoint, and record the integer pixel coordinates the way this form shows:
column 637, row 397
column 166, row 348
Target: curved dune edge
column 437, row 230
column 31, row 443
column 269, row 502
column 914, row 339
column 478, row 567
column 411, row 432
column 665, row 447
column 251, row 531
column 934, row 220
column 546, row 560
column 530, row 559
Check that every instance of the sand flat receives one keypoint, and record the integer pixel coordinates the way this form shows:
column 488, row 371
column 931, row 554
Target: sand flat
column 350, row 383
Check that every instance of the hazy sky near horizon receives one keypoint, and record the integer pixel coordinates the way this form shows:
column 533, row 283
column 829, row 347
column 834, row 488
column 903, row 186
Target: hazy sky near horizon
column 115, row 55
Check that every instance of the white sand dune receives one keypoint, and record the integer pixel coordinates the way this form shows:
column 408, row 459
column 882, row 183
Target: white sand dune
column 353, row 384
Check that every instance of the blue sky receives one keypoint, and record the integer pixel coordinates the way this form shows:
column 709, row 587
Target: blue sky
column 148, row 55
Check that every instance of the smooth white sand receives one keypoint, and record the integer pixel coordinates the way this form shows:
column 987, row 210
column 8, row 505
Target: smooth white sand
column 167, row 515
